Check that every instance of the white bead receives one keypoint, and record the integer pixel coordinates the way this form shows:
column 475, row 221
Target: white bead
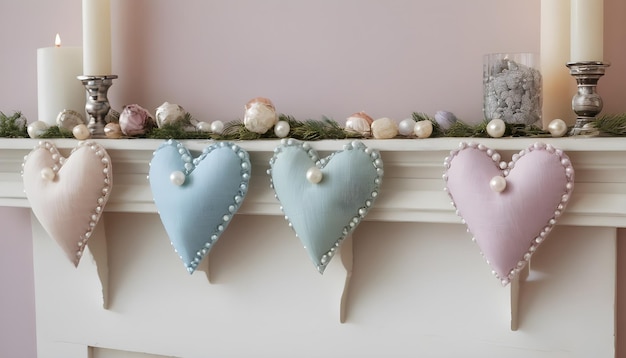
column 281, row 129
column 423, row 129
column 81, row 132
column 406, row 127
column 497, row 184
column 177, row 178
column 314, row 175
column 496, row 128
column 557, row 127
column 217, row 127
column 48, row 174
column 203, row 126
column 37, row 129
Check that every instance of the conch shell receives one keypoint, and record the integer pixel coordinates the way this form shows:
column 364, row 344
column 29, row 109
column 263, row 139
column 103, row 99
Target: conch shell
column 359, row 122
column 135, row 120
column 169, row 113
column 260, row 115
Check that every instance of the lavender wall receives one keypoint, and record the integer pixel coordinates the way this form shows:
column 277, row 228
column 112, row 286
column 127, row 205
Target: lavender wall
column 312, row 58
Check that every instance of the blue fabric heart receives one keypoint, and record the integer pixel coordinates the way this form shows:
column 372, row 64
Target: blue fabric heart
column 197, row 198
column 325, row 199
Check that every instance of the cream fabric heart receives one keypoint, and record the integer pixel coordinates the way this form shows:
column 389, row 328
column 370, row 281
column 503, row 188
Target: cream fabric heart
column 509, row 207
column 68, row 195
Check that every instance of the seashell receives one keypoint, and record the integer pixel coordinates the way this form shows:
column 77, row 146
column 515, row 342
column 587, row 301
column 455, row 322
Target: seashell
column 169, row 113
column 260, row 115
column 113, row 130
column 359, row 122
column 68, row 119
column 384, row 128
column 135, row 120
column 445, row 119
column 37, row 129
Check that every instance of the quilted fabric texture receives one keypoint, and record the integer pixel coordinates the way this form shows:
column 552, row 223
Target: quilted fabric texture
column 198, row 197
column 509, row 207
column 325, row 199
column 68, row 195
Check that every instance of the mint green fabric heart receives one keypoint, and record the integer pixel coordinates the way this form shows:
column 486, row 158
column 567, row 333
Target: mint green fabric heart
column 325, row 199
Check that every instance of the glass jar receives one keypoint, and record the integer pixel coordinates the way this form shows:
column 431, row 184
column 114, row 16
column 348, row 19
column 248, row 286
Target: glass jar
column 512, row 87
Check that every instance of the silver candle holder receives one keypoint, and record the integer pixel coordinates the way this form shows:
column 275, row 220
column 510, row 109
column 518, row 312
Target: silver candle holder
column 586, row 103
column 97, row 106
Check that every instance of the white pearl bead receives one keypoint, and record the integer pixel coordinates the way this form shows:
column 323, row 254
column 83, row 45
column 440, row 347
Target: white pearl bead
column 203, row 126
column 557, row 127
column 423, row 129
column 48, row 174
column 37, row 129
column 81, row 132
column 406, row 127
column 496, row 128
column 177, row 178
column 497, row 184
column 217, row 127
column 314, row 175
column 281, row 129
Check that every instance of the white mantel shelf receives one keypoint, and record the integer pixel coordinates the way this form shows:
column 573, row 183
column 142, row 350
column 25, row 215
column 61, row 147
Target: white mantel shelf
column 411, row 193
column 412, row 189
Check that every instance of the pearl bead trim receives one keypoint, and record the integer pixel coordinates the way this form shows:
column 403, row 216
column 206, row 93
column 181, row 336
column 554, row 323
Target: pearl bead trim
column 506, row 167
column 107, row 182
column 190, row 163
column 320, row 163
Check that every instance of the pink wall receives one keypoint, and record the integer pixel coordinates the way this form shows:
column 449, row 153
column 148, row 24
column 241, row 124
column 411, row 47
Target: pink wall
column 312, row 58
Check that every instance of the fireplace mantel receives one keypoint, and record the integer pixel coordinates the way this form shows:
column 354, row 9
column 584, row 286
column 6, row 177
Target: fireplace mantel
column 411, row 194
column 412, row 189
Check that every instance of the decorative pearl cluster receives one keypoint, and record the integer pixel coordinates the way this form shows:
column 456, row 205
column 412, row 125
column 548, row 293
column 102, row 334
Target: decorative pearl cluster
column 312, row 176
column 506, row 168
column 51, row 173
column 178, row 178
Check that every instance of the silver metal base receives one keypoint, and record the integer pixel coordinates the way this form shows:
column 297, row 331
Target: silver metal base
column 586, row 103
column 97, row 106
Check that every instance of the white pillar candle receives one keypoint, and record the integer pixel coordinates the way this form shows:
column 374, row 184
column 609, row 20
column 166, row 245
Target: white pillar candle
column 96, row 37
column 57, row 86
column 587, row 31
column 558, row 85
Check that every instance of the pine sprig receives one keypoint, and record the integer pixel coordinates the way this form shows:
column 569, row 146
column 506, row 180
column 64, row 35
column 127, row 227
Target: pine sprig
column 13, row 126
column 611, row 125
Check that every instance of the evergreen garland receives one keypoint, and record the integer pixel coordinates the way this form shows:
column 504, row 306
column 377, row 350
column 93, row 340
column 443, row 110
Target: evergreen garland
column 15, row 126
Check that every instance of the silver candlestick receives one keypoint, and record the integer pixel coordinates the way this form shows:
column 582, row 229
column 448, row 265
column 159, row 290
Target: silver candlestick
column 586, row 103
column 97, row 106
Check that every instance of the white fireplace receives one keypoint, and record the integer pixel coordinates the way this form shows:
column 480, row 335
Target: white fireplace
column 410, row 282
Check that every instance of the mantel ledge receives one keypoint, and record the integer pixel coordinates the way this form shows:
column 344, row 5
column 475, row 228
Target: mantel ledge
column 412, row 189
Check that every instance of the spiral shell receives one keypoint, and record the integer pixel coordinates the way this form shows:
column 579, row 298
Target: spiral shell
column 68, row 119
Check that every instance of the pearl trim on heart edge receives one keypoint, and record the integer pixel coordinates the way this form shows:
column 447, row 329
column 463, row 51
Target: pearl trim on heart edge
column 506, row 168
column 377, row 162
column 107, row 182
column 190, row 164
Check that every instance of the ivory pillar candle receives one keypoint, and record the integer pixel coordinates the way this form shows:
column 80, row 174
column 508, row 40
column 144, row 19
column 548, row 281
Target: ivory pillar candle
column 558, row 85
column 96, row 37
column 57, row 86
column 587, row 30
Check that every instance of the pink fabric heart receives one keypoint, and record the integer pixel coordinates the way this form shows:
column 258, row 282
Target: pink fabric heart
column 509, row 207
column 68, row 195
